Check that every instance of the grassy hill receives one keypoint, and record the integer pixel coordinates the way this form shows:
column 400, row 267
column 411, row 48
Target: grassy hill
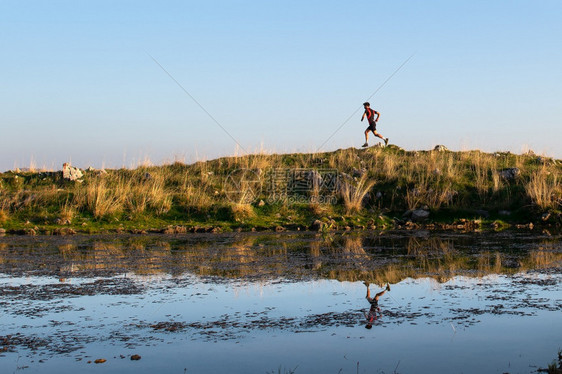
column 342, row 190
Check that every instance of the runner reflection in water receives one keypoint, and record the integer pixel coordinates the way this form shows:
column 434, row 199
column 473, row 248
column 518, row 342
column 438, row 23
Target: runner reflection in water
column 374, row 301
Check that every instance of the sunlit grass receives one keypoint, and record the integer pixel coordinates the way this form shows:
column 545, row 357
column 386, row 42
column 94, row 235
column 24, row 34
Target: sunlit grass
column 544, row 188
column 353, row 195
column 383, row 180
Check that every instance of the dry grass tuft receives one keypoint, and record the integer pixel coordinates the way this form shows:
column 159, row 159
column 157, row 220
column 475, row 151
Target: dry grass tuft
column 242, row 212
column 545, row 189
column 196, row 197
column 4, row 215
column 67, row 213
column 483, row 167
column 428, row 192
column 148, row 192
column 100, row 199
column 390, row 167
column 320, row 210
column 353, row 195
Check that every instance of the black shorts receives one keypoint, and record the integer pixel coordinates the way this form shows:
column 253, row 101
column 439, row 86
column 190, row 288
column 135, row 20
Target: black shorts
column 374, row 302
column 372, row 126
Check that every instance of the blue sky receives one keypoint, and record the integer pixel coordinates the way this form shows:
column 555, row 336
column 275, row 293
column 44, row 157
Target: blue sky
column 78, row 83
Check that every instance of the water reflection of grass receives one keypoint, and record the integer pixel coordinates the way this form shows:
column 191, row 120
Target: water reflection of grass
column 346, row 258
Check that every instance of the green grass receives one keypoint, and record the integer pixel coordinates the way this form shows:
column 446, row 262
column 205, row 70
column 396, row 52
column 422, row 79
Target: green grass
column 375, row 187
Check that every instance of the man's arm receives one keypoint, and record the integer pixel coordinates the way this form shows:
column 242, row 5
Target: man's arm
column 378, row 115
column 363, row 116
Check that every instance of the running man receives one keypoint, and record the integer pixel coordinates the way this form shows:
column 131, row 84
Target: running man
column 374, row 301
column 370, row 114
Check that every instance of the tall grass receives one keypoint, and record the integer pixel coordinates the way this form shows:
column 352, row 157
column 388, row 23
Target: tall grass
column 544, row 188
column 429, row 180
column 242, row 212
column 148, row 193
column 67, row 212
column 4, row 215
column 134, row 192
column 353, row 195
column 404, row 180
column 481, row 167
column 430, row 193
column 100, row 199
column 195, row 197
column 482, row 172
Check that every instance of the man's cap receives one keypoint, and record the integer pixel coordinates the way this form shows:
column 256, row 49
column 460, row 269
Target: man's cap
column 366, row 103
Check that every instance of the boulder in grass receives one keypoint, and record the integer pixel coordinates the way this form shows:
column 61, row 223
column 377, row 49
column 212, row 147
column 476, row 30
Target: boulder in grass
column 358, row 173
column 509, row 174
column 317, row 225
column 419, row 215
column 440, row 148
column 407, row 214
column 71, row 173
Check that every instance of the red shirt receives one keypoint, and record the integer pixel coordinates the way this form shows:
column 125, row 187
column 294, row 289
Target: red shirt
column 370, row 114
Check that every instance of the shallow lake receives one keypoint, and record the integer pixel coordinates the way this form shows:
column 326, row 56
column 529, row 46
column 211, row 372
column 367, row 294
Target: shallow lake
column 281, row 303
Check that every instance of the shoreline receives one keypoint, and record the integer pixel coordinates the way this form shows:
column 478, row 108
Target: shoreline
column 317, row 227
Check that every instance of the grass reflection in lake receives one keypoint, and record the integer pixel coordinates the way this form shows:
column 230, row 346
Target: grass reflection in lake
column 390, row 257
column 178, row 300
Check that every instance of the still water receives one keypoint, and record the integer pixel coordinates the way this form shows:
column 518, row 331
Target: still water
column 281, row 303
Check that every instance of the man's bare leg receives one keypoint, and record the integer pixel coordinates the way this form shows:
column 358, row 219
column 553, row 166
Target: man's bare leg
column 368, row 291
column 379, row 294
column 366, row 138
column 380, row 136
column 382, row 292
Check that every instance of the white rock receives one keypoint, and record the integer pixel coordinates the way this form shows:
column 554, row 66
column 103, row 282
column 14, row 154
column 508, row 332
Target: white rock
column 440, row 148
column 70, row 172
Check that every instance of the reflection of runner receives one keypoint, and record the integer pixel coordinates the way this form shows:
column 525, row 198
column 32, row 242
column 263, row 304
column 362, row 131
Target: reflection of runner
column 374, row 301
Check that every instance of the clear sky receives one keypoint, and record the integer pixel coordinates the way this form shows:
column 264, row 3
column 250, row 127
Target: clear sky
column 78, row 83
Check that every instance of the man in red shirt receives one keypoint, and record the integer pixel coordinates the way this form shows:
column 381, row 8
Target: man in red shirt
column 370, row 114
